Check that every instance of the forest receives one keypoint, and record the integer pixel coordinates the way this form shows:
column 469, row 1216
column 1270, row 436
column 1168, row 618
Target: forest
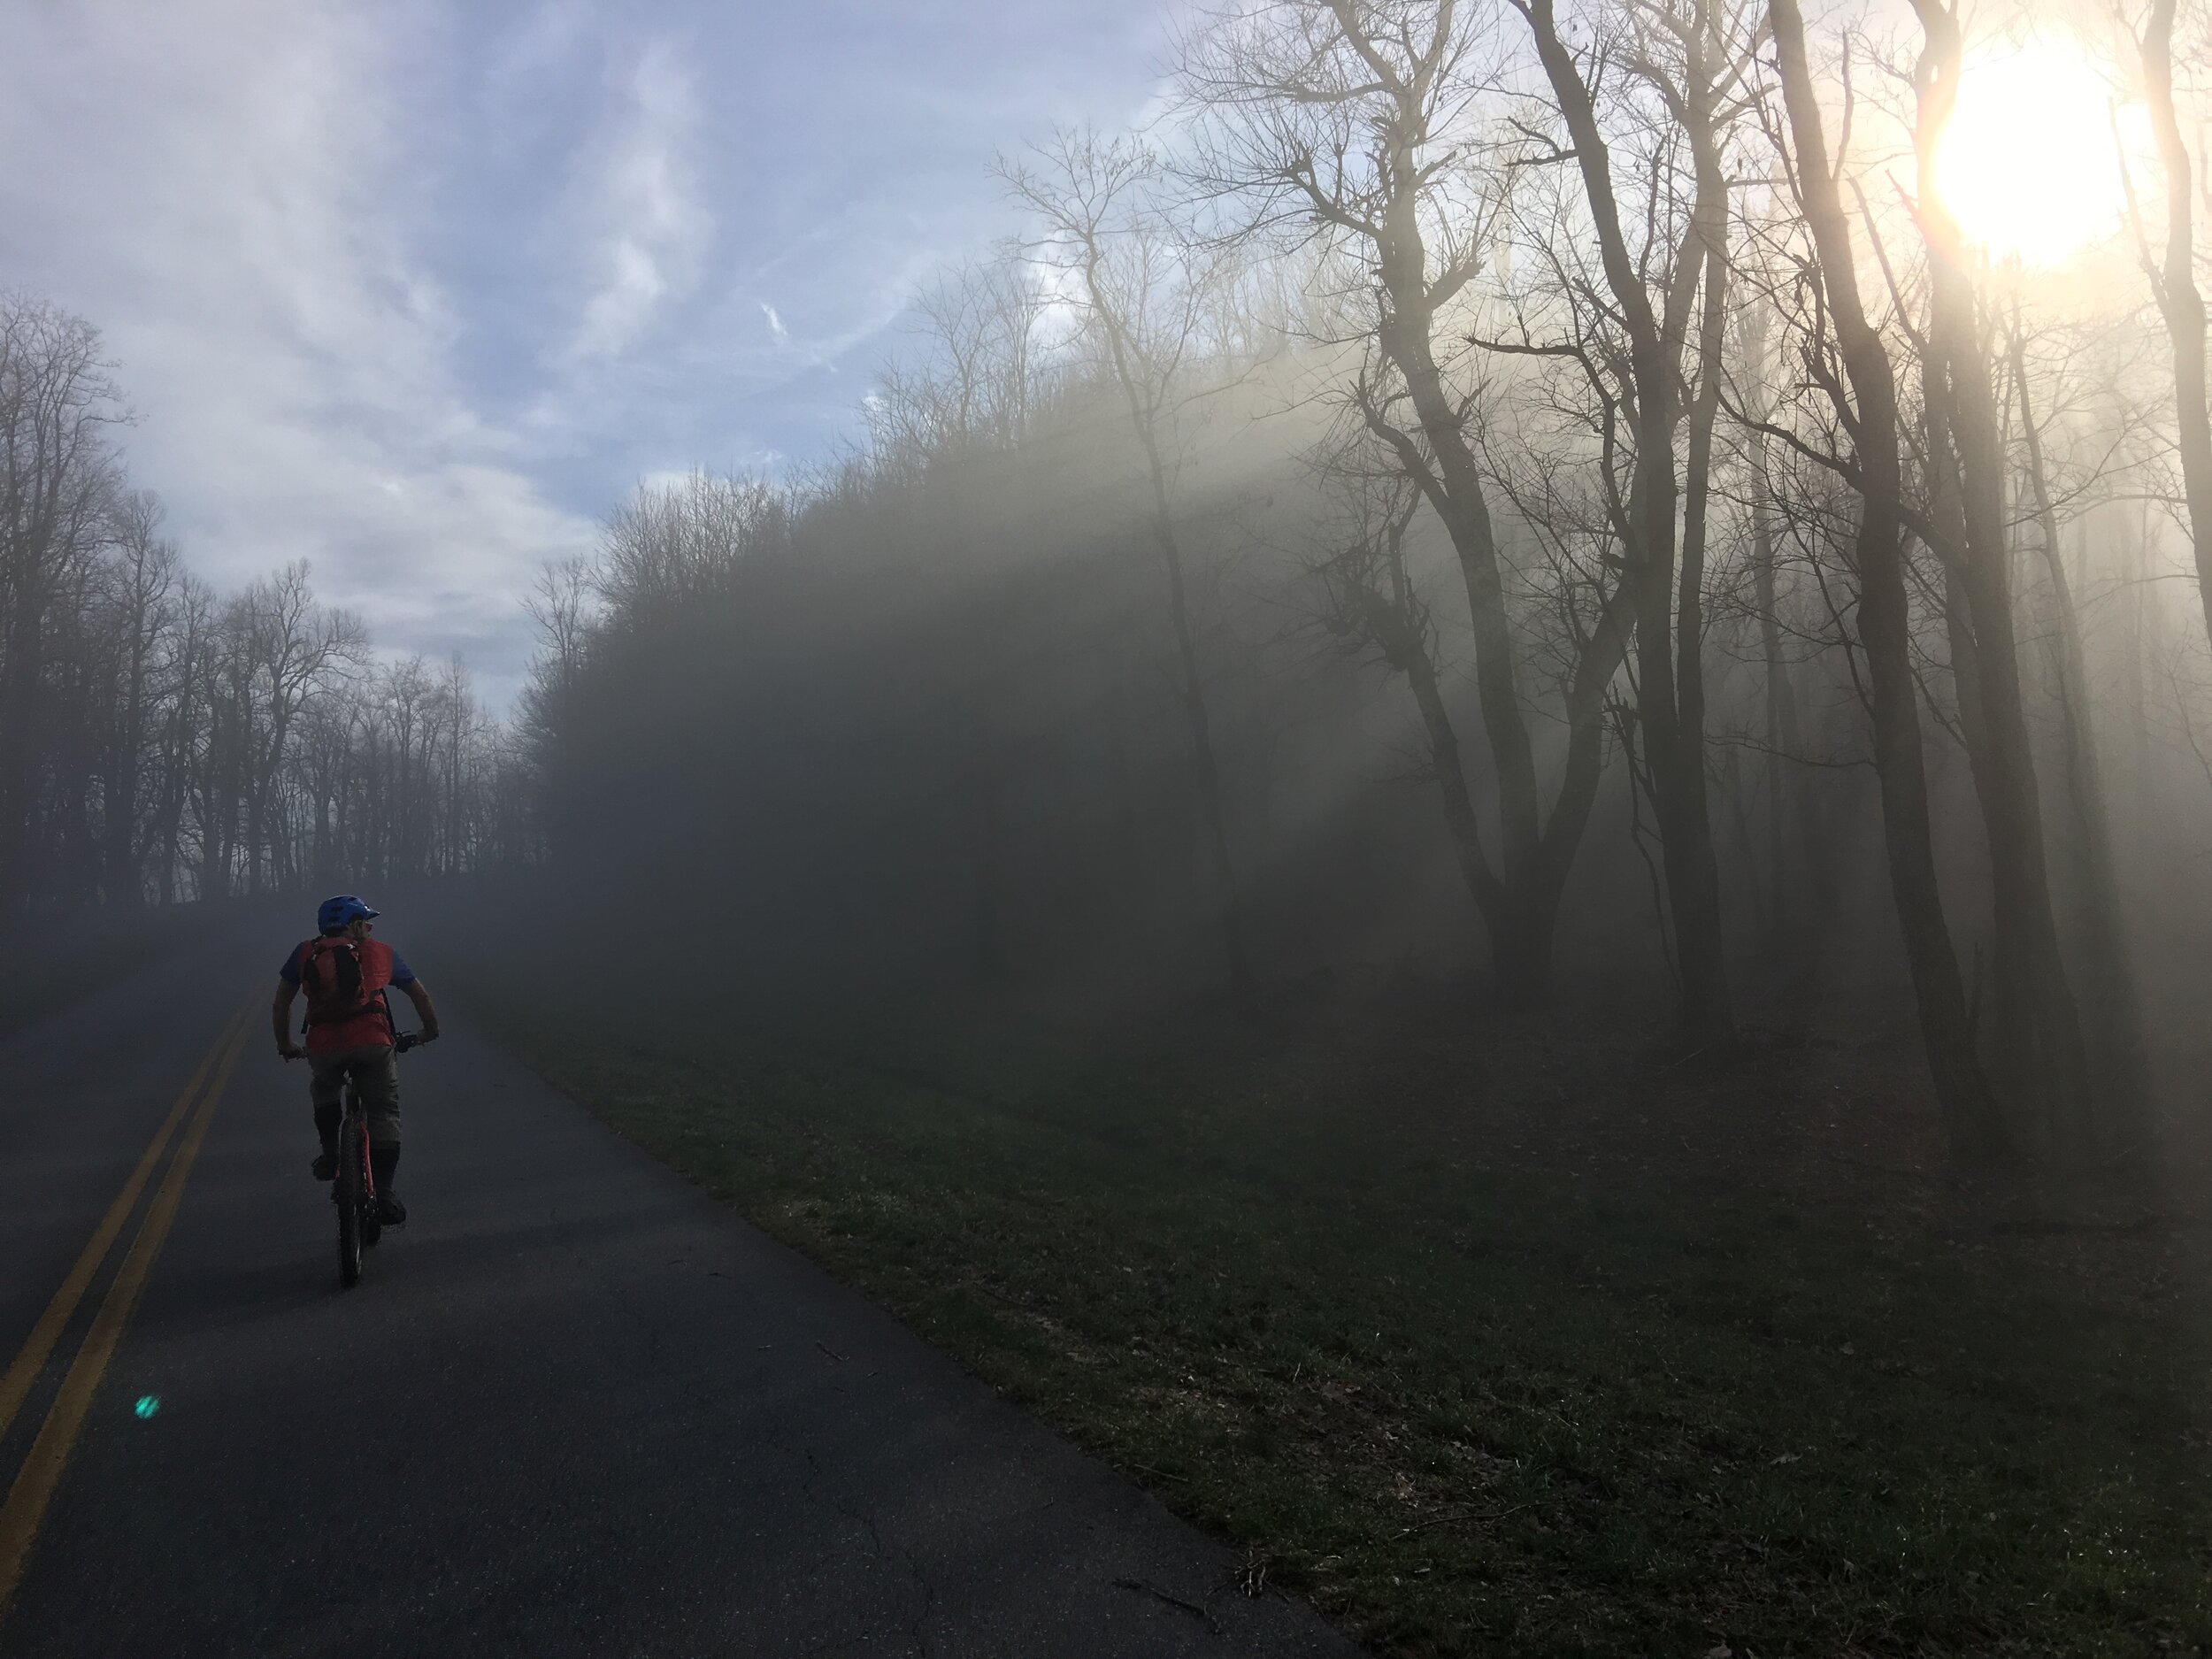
column 162, row 743
column 1560, row 496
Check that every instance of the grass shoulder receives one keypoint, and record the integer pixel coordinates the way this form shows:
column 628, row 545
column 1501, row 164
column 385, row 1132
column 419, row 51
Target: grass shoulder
column 1496, row 1339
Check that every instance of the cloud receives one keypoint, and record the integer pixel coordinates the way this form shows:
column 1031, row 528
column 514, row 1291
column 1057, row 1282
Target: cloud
column 518, row 62
column 416, row 291
column 649, row 227
column 231, row 191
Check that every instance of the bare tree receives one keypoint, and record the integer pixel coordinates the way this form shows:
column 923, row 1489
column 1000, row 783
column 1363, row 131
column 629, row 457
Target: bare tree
column 1868, row 410
column 675, row 546
column 1694, row 54
column 1351, row 129
column 143, row 579
column 157, row 740
column 2173, row 279
column 291, row 646
column 1799, row 874
column 2038, row 1031
column 57, row 476
column 560, row 604
column 1147, row 296
column 1373, row 608
column 178, row 746
column 978, row 386
column 2111, row 994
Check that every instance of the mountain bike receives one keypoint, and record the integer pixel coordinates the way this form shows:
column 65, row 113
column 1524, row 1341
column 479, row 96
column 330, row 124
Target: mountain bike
column 354, row 1190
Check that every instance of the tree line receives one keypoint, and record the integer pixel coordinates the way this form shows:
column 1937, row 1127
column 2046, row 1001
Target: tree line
column 162, row 742
column 1571, row 454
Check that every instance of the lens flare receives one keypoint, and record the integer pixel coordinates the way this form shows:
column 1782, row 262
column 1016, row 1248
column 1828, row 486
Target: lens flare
column 148, row 1404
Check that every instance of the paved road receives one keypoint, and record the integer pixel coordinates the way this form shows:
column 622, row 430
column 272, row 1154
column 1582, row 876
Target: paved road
column 575, row 1408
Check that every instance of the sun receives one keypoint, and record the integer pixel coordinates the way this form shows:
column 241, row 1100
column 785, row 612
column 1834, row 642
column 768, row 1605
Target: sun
column 2028, row 164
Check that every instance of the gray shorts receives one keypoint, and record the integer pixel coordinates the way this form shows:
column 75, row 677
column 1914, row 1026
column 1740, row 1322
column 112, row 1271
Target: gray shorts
column 375, row 1068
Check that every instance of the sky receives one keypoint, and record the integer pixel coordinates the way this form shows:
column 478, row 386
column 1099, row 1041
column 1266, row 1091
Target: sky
column 419, row 290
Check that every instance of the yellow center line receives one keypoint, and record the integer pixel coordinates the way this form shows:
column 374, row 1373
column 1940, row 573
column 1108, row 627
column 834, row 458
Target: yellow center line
column 41, row 1474
column 15, row 1385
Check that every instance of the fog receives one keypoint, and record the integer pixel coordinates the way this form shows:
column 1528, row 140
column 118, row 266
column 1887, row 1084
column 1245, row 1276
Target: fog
column 1322, row 544
column 1645, row 519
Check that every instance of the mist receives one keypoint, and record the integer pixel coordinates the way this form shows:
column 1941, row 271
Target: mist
column 1217, row 602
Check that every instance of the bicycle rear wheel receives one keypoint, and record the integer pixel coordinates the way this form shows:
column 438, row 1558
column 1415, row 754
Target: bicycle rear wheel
column 351, row 1177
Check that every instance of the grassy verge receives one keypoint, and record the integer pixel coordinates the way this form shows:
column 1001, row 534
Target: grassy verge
column 1491, row 1341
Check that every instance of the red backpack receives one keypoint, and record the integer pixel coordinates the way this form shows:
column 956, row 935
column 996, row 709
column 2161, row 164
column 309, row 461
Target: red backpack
column 331, row 975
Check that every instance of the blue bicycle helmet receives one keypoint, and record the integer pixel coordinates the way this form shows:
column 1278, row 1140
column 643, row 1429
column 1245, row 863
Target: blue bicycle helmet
column 333, row 915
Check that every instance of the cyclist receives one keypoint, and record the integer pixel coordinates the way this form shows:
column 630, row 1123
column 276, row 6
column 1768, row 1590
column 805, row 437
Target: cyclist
column 344, row 973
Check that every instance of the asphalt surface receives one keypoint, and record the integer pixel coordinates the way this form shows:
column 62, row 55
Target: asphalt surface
column 574, row 1406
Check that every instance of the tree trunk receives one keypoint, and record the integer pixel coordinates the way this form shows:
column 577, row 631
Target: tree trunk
column 2179, row 300
column 19, row 688
column 1199, row 721
column 126, row 844
column 1669, row 643
column 1517, row 919
column 2112, row 976
column 1698, row 922
column 1971, row 1121
column 1781, row 700
column 1192, row 684
column 2030, row 970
